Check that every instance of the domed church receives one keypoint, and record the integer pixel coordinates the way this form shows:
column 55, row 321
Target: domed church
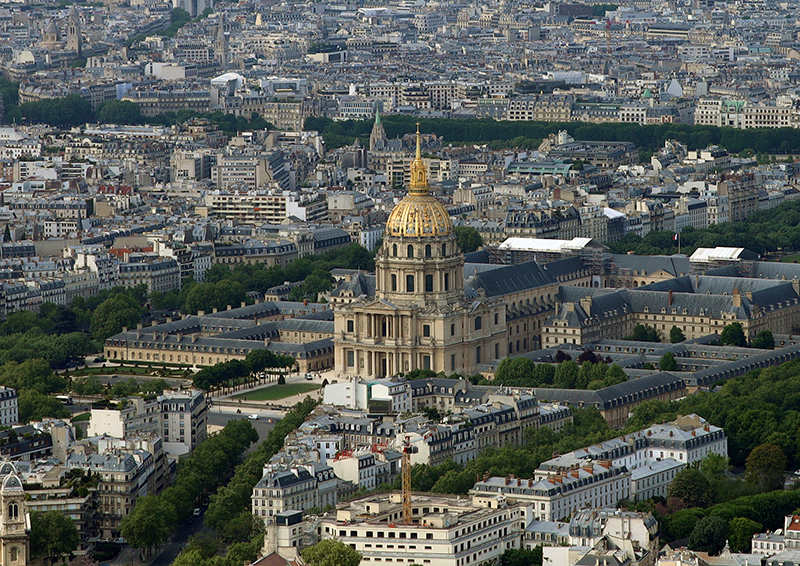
column 419, row 316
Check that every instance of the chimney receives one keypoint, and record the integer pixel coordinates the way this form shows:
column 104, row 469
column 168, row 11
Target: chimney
column 670, row 298
column 586, row 304
column 737, row 298
column 244, row 304
column 305, row 302
column 485, row 476
column 214, row 310
column 228, row 307
column 796, row 286
column 201, row 313
column 139, row 326
column 749, row 295
column 508, row 480
column 124, row 328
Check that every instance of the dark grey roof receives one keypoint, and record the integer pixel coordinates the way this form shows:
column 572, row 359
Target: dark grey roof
column 358, row 285
column 481, row 256
column 616, row 395
column 563, row 267
column 676, row 265
column 509, row 279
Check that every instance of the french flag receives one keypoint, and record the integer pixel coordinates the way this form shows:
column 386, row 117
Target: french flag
column 675, row 237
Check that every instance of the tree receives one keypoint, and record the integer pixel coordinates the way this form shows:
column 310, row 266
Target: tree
column 35, row 406
column 764, row 340
column 668, row 362
column 680, row 524
column 709, row 535
column 64, row 112
column 121, row 112
column 562, row 356
column 150, row 523
column 52, row 535
column 733, row 335
column 330, row 553
column 118, row 311
column 741, row 531
column 468, row 239
column 126, row 388
column 676, row 335
column 765, row 466
column 320, row 281
column 642, row 333
column 566, row 375
column 89, row 385
column 522, row 557
column 691, row 487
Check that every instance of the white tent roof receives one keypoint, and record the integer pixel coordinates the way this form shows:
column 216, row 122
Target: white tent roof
column 544, row 245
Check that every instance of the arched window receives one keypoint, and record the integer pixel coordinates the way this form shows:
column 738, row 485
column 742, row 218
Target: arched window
column 394, row 250
column 409, row 283
column 14, row 554
column 429, row 283
column 444, row 249
column 394, row 282
column 427, row 250
column 478, row 322
column 478, row 355
column 410, row 250
column 13, row 510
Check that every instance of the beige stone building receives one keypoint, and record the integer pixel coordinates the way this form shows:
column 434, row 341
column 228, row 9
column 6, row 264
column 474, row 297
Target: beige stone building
column 419, row 316
column 698, row 305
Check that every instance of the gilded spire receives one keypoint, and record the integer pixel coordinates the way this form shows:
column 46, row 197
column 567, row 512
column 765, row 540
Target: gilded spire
column 419, row 175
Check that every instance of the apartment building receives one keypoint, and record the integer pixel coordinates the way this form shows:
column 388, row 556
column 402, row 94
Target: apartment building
column 128, row 469
column 153, row 101
column 9, row 406
column 301, row 486
column 178, row 417
column 160, row 274
column 553, row 496
column 445, row 530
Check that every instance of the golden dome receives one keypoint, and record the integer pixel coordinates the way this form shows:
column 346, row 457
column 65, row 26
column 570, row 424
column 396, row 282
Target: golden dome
column 419, row 214
column 416, row 216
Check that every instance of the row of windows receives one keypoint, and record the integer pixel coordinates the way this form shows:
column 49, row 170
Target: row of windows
column 428, row 250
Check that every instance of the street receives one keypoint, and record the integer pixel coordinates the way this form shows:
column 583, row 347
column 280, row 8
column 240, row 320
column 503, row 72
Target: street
column 171, row 550
column 262, row 425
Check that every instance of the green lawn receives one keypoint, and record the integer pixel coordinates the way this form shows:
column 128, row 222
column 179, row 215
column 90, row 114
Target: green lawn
column 275, row 392
column 791, row 258
column 82, row 417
